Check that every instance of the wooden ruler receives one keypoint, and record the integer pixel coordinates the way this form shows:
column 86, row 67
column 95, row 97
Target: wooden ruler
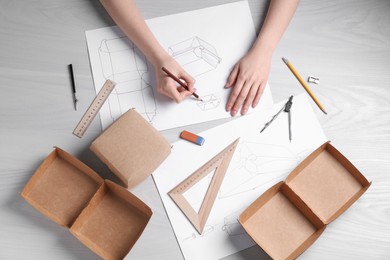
column 94, row 108
column 219, row 163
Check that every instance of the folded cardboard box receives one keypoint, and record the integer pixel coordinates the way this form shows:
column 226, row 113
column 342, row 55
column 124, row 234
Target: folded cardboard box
column 291, row 215
column 103, row 215
column 131, row 148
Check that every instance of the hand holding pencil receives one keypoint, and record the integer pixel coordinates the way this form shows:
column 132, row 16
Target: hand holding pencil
column 181, row 83
column 171, row 85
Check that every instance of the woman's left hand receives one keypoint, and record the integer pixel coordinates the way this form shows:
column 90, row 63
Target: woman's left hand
column 248, row 79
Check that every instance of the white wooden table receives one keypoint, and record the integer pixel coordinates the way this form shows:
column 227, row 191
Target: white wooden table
column 345, row 43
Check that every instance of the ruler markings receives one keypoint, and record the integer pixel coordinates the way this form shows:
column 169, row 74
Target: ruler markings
column 94, row 108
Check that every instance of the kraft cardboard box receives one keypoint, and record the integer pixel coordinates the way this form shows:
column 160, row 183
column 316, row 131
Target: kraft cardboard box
column 103, row 215
column 131, row 148
column 291, row 215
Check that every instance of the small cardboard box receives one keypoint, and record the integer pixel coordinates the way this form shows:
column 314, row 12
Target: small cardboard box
column 131, row 148
column 104, row 216
column 291, row 215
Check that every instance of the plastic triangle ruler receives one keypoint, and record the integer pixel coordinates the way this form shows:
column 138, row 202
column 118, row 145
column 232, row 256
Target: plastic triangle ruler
column 219, row 163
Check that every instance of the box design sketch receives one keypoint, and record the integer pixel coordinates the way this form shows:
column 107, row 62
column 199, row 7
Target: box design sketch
column 232, row 226
column 195, row 55
column 123, row 63
column 208, row 102
column 258, row 159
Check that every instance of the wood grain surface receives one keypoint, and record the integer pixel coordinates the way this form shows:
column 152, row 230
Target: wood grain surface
column 344, row 43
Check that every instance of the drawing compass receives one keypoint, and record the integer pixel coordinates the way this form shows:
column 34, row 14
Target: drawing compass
column 286, row 108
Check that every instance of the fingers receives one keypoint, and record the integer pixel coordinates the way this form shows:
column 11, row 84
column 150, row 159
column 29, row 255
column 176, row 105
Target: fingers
column 181, row 89
column 253, row 97
column 238, row 96
column 178, row 94
column 249, row 99
column 170, row 88
column 189, row 81
column 258, row 94
column 234, row 95
column 232, row 76
column 245, row 95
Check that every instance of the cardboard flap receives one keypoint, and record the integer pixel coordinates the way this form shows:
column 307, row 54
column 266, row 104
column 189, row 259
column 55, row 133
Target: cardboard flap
column 281, row 223
column 327, row 182
column 131, row 148
column 112, row 222
column 61, row 187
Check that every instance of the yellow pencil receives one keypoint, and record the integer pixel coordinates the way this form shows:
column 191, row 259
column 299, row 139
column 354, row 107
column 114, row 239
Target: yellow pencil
column 303, row 83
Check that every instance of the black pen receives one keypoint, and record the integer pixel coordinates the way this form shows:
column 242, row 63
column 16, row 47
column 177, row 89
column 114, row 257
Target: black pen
column 73, row 86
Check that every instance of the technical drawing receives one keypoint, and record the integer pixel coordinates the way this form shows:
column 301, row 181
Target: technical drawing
column 208, row 102
column 231, row 225
column 257, row 160
column 124, row 64
column 195, row 235
column 195, row 55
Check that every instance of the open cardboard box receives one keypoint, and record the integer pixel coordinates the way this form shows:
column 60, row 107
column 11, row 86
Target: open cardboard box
column 103, row 215
column 291, row 215
column 131, row 148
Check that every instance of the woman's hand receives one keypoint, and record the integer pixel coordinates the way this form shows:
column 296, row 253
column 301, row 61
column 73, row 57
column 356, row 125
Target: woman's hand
column 167, row 86
column 248, row 79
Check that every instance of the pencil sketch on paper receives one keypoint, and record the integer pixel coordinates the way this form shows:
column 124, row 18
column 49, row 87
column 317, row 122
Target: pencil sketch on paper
column 231, row 225
column 208, row 102
column 122, row 62
column 198, row 57
column 267, row 161
column 195, row 55
column 195, row 235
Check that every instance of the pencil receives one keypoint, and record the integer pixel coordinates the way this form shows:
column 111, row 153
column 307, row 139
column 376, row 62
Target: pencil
column 179, row 81
column 303, row 83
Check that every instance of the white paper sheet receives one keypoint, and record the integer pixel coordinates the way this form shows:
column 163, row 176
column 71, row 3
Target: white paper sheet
column 259, row 161
column 206, row 42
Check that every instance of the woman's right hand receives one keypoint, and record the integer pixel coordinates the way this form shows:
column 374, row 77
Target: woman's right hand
column 167, row 86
